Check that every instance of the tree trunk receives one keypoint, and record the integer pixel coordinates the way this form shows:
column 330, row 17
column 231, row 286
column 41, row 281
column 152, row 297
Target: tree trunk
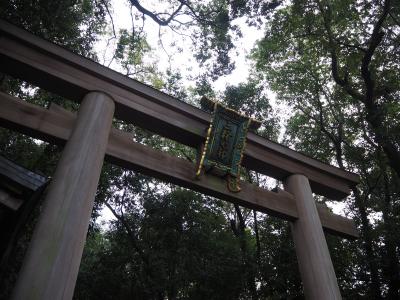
column 258, row 245
column 376, row 121
column 240, row 233
column 390, row 259
column 365, row 228
column 366, row 233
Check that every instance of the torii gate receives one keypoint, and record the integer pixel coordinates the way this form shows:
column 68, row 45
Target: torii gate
column 51, row 264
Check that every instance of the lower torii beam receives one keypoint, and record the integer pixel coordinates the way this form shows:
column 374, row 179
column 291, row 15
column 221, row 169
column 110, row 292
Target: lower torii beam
column 51, row 264
column 55, row 125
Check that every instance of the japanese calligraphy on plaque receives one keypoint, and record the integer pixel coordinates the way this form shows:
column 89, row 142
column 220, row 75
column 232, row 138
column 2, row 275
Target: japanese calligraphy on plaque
column 226, row 139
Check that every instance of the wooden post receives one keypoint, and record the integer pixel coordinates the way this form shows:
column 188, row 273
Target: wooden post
column 316, row 269
column 52, row 261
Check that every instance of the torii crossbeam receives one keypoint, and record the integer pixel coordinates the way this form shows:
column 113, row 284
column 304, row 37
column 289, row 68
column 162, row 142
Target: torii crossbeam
column 52, row 262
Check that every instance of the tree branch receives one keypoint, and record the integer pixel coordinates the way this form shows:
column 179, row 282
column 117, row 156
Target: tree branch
column 155, row 17
column 374, row 41
column 343, row 82
column 131, row 234
column 350, row 45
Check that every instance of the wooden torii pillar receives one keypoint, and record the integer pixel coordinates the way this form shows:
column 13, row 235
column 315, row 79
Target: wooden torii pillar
column 315, row 264
column 52, row 263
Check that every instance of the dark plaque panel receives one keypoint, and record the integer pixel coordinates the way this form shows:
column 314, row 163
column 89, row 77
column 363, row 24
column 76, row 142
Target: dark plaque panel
column 224, row 146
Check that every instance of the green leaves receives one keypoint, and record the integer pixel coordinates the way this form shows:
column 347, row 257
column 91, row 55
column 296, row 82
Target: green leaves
column 250, row 98
column 131, row 48
column 182, row 249
column 314, row 56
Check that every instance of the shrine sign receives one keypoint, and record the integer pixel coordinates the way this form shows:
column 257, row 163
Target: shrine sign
column 225, row 142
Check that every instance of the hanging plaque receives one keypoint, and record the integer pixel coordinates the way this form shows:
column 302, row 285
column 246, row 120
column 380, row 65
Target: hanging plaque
column 226, row 139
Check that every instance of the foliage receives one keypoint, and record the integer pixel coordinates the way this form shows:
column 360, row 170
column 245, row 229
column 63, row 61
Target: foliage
column 73, row 24
column 250, row 98
column 176, row 244
column 333, row 64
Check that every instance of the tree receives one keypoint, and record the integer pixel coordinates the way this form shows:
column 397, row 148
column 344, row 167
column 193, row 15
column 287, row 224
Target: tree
column 174, row 245
column 362, row 62
column 326, row 63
